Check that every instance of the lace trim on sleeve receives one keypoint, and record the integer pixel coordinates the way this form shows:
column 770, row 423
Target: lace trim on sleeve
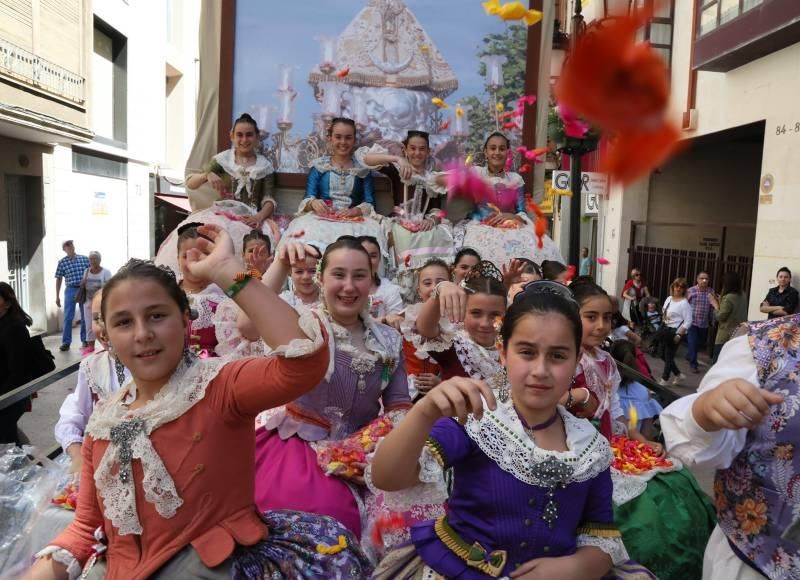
column 302, row 208
column 367, row 211
column 63, row 557
column 431, row 489
column 423, row 346
column 614, row 547
column 362, row 152
column 299, row 347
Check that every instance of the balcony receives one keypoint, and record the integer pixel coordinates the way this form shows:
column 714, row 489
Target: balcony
column 732, row 33
column 28, row 69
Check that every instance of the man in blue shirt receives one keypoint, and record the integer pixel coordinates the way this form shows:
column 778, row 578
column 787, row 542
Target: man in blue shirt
column 70, row 268
column 585, row 267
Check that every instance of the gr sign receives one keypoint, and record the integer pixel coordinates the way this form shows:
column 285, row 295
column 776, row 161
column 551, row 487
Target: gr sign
column 593, row 187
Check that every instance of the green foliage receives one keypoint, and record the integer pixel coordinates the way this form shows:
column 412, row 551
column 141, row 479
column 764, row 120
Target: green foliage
column 513, row 44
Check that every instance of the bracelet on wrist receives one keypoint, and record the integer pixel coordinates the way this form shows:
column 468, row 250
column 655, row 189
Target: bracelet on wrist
column 240, row 281
column 569, row 402
column 583, row 404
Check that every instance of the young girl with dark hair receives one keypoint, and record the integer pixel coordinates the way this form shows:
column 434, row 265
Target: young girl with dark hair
column 671, row 547
column 466, row 259
column 365, row 378
column 243, row 182
column 167, row 481
column 14, row 354
column 340, row 194
column 479, row 302
column 532, row 487
column 204, row 296
column 500, row 226
column 419, row 229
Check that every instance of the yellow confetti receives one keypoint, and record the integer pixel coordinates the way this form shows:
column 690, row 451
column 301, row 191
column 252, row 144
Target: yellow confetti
column 633, row 417
column 439, row 103
column 500, row 107
column 512, row 11
column 468, row 161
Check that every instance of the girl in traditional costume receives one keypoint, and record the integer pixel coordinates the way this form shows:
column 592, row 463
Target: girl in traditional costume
column 365, row 377
column 385, row 299
column 340, row 197
column 671, row 546
column 99, row 376
column 204, row 296
column 244, row 180
column 500, row 227
column 741, row 430
column 532, row 486
column 466, row 259
column 167, row 480
column 468, row 350
column 419, row 230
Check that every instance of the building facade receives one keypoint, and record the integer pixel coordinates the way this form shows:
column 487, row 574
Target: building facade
column 728, row 200
column 97, row 113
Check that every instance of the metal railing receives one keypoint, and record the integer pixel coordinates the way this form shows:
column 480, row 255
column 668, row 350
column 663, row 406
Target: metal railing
column 23, row 65
column 34, row 386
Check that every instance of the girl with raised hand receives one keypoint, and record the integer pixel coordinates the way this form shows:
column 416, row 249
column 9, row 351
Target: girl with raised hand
column 243, row 181
column 365, row 378
column 500, row 226
column 671, row 548
column 424, row 372
column 340, row 196
column 460, row 323
column 167, row 478
column 204, row 296
column 544, row 513
column 419, row 230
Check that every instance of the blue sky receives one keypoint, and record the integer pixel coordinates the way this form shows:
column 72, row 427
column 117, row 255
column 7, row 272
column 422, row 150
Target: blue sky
column 271, row 33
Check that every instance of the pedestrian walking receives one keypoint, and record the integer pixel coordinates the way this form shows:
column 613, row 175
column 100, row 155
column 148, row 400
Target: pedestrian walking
column 677, row 320
column 730, row 310
column 94, row 278
column 70, row 269
column 699, row 297
column 634, row 290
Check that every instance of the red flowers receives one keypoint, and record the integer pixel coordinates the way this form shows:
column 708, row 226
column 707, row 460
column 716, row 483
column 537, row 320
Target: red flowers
column 622, row 86
column 634, row 457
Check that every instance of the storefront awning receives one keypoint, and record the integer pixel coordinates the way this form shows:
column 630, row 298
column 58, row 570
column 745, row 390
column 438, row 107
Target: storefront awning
column 179, row 201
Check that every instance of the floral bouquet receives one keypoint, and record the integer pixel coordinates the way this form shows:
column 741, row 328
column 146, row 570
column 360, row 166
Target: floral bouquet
column 635, row 458
column 346, row 458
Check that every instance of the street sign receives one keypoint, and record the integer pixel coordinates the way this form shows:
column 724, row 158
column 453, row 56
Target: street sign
column 593, row 186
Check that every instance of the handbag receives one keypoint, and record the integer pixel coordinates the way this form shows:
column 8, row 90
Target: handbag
column 80, row 296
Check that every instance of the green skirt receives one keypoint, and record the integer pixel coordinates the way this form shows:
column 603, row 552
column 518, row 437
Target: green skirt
column 667, row 528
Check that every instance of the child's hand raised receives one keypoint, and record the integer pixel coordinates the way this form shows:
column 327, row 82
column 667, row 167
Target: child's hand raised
column 452, row 301
column 293, row 253
column 735, row 404
column 458, row 397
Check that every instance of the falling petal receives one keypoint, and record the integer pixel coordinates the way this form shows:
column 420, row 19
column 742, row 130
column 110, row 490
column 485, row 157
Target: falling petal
column 633, row 153
column 500, row 107
column 603, row 261
column 343, row 73
column 439, row 103
column 444, row 126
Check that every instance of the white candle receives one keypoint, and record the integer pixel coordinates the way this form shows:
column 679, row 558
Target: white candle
column 330, row 98
column 286, row 106
column 286, row 78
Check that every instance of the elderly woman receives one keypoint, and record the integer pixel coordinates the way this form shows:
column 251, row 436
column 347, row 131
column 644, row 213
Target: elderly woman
column 781, row 300
column 94, row 278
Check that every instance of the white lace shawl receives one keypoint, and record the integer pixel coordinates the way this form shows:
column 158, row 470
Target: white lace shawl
column 479, row 362
column 99, row 368
column 628, row 486
column 384, row 344
column 501, row 436
column 185, row 388
column 424, row 346
column 244, row 177
column 201, row 305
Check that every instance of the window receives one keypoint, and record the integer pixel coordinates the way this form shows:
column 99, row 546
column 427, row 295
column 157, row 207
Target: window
column 659, row 30
column 109, row 99
column 715, row 13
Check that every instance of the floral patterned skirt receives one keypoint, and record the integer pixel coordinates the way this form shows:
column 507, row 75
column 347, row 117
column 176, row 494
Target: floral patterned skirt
column 499, row 245
column 301, row 545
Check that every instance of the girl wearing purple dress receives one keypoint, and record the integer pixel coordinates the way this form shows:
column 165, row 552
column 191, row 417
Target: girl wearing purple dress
column 532, row 487
column 366, row 377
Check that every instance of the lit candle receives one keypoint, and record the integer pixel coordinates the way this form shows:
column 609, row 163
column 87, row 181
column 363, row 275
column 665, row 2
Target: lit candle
column 286, row 99
column 327, row 46
column 494, row 70
column 360, row 108
column 330, row 98
column 286, row 78
column 461, row 128
column 261, row 115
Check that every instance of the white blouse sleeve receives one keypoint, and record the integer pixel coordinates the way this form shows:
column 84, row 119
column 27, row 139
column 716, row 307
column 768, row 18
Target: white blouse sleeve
column 685, row 310
column 74, row 412
column 700, row 450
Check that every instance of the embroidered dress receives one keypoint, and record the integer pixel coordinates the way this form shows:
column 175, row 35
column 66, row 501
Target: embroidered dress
column 178, row 471
column 201, row 334
column 357, row 387
column 340, row 189
column 249, row 189
column 671, row 547
column 415, row 350
column 511, row 501
column 499, row 245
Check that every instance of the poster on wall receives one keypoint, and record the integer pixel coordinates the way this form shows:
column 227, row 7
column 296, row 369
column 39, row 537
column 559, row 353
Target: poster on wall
column 443, row 67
